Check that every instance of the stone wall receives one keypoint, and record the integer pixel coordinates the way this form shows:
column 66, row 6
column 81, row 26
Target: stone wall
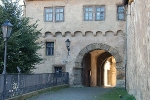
column 81, row 33
column 138, row 52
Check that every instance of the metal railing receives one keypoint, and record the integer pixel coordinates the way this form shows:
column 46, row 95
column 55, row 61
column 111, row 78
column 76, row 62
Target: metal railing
column 17, row 84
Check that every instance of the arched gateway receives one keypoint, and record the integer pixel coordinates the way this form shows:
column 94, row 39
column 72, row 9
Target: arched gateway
column 96, row 65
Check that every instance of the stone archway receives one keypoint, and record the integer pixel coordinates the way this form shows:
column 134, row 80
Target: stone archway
column 77, row 71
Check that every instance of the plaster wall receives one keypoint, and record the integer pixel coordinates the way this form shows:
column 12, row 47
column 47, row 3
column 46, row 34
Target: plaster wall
column 138, row 49
column 81, row 33
column 94, row 56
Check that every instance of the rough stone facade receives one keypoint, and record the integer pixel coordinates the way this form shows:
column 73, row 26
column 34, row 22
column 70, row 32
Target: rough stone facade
column 85, row 36
column 138, row 49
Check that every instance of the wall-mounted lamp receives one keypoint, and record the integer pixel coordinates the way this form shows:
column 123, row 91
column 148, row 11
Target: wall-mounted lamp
column 68, row 45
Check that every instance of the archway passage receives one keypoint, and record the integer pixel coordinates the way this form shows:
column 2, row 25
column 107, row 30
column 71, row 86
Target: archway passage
column 84, row 55
column 99, row 69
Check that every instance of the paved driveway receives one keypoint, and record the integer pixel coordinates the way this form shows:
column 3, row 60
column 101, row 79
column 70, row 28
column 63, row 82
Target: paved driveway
column 85, row 93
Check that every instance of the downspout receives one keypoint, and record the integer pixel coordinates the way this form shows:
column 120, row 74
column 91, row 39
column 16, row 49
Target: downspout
column 128, row 13
column 126, row 43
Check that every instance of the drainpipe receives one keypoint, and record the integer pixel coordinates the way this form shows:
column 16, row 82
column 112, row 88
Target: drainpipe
column 128, row 13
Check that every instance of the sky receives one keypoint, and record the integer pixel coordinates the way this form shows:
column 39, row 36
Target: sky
column 21, row 2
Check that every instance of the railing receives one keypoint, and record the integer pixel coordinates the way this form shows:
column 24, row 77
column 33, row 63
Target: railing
column 17, row 84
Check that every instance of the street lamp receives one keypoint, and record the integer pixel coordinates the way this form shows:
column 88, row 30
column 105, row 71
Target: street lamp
column 6, row 29
column 68, row 45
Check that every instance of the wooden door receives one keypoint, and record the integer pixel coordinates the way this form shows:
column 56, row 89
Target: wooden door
column 86, row 70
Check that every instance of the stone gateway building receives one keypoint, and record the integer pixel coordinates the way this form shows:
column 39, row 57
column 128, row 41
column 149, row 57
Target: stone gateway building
column 96, row 31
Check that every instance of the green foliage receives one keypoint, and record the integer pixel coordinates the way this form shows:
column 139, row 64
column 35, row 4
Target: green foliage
column 22, row 46
column 115, row 94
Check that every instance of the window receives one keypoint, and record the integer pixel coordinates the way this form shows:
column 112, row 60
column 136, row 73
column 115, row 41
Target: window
column 88, row 13
column 56, row 12
column 58, row 68
column 100, row 13
column 121, row 13
column 59, row 14
column 94, row 13
column 49, row 48
column 48, row 14
column 58, row 71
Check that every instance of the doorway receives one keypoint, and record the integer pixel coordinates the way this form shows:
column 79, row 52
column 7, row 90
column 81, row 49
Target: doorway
column 98, row 69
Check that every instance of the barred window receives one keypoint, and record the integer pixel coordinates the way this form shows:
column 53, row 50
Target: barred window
column 121, row 13
column 49, row 48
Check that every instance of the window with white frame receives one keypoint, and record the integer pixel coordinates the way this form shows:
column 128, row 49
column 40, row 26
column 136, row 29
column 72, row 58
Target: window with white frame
column 59, row 14
column 56, row 12
column 88, row 13
column 49, row 48
column 48, row 14
column 121, row 13
column 94, row 13
column 100, row 13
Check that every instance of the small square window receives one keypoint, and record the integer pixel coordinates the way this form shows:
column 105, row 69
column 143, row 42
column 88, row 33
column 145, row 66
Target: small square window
column 58, row 71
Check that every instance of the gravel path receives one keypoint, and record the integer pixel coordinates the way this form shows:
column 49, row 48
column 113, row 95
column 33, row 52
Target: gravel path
column 85, row 93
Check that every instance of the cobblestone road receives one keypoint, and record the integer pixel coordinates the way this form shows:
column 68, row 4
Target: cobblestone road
column 85, row 93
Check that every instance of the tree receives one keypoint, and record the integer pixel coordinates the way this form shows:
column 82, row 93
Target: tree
column 22, row 46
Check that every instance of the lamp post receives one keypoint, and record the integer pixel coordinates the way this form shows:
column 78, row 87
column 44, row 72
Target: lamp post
column 6, row 29
column 68, row 45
